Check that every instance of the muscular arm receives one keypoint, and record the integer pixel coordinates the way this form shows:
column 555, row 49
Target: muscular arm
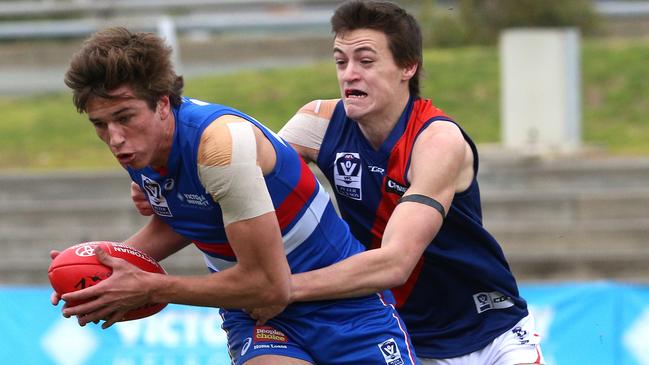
column 410, row 228
column 230, row 172
column 259, row 278
column 261, row 274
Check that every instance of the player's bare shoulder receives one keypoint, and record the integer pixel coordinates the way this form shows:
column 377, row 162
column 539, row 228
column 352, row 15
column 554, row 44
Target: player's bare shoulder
column 320, row 108
column 306, row 129
column 215, row 148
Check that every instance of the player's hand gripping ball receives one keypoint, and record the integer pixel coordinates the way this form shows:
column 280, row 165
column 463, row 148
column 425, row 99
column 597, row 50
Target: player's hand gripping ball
column 77, row 267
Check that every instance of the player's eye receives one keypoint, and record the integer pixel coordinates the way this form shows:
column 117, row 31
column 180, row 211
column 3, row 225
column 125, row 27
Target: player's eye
column 124, row 118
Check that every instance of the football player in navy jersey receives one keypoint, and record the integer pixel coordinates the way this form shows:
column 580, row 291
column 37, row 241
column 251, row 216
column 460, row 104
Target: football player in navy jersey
column 215, row 177
column 404, row 176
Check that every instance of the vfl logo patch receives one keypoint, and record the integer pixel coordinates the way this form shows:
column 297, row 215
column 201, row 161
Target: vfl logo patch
column 521, row 334
column 391, row 352
column 491, row 300
column 392, row 186
column 347, row 175
column 157, row 200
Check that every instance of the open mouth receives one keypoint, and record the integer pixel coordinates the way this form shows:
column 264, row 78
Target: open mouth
column 125, row 158
column 354, row 93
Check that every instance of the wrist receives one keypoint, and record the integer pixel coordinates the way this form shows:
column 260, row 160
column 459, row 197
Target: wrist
column 156, row 286
column 297, row 289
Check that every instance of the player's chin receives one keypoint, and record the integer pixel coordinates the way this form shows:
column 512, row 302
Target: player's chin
column 355, row 109
column 133, row 163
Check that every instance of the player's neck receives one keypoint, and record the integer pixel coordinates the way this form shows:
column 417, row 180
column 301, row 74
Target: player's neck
column 377, row 128
column 160, row 164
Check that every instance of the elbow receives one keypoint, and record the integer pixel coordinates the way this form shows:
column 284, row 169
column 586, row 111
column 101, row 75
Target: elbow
column 275, row 292
column 397, row 275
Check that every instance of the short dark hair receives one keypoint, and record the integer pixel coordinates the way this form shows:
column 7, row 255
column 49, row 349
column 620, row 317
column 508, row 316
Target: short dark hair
column 401, row 29
column 115, row 57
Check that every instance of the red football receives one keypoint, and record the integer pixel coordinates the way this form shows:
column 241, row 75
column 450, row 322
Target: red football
column 77, row 267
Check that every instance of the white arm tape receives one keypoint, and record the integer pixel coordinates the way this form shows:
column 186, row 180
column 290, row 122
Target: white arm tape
column 239, row 188
column 305, row 130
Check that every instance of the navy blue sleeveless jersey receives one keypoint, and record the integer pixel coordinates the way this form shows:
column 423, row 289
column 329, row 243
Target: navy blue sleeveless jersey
column 314, row 236
column 461, row 295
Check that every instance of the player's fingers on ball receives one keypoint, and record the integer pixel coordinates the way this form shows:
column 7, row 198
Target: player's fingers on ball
column 80, row 296
column 84, row 320
column 55, row 298
column 101, row 253
column 54, row 253
column 80, row 321
column 65, row 306
column 105, row 258
column 114, row 318
column 96, row 316
column 83, row 309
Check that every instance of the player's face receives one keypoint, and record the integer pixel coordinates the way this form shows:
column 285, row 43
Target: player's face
column 370, row 82
column 136, row 135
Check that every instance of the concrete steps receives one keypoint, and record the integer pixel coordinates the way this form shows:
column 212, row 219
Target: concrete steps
column 565, row 205
column 573, row 219
column 570, row 219
column 40, row 212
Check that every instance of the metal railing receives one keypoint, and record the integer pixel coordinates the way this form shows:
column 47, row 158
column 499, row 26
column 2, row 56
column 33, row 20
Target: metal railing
column 78, row 19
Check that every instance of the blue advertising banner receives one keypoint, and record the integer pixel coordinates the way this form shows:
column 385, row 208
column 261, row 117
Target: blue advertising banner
column 580, row 323
column 34, row 332
column 591, row 323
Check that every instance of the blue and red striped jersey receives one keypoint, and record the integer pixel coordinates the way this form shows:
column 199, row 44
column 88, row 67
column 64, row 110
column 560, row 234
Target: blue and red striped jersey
column 462, row 294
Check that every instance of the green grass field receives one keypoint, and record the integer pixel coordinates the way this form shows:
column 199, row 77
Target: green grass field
column 45, row 131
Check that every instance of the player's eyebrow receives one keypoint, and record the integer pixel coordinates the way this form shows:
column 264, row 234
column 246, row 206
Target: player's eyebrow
column 113, row 114
column 357, row 50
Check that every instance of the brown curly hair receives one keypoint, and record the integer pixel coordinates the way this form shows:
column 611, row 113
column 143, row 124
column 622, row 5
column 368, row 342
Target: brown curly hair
column 115, row 57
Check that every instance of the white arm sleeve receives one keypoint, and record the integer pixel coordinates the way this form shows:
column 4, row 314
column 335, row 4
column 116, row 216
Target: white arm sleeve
column 305, row 129
column 239, row 186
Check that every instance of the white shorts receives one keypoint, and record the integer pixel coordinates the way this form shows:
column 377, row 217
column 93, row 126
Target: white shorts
column 519, row 345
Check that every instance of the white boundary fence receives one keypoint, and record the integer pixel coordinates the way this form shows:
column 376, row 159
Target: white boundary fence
column 34, row 19
column 79, row 18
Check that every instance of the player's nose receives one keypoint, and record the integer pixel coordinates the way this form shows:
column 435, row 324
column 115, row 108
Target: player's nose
column 350, row 73
column 116, row 136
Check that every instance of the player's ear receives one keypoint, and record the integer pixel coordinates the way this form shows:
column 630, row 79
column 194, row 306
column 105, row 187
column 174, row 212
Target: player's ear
column 409, row 71
column 164, row 106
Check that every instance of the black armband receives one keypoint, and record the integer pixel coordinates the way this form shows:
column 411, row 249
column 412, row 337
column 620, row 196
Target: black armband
column 423, row 199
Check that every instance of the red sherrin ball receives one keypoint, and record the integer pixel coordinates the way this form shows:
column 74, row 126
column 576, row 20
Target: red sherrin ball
column 77, row 267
